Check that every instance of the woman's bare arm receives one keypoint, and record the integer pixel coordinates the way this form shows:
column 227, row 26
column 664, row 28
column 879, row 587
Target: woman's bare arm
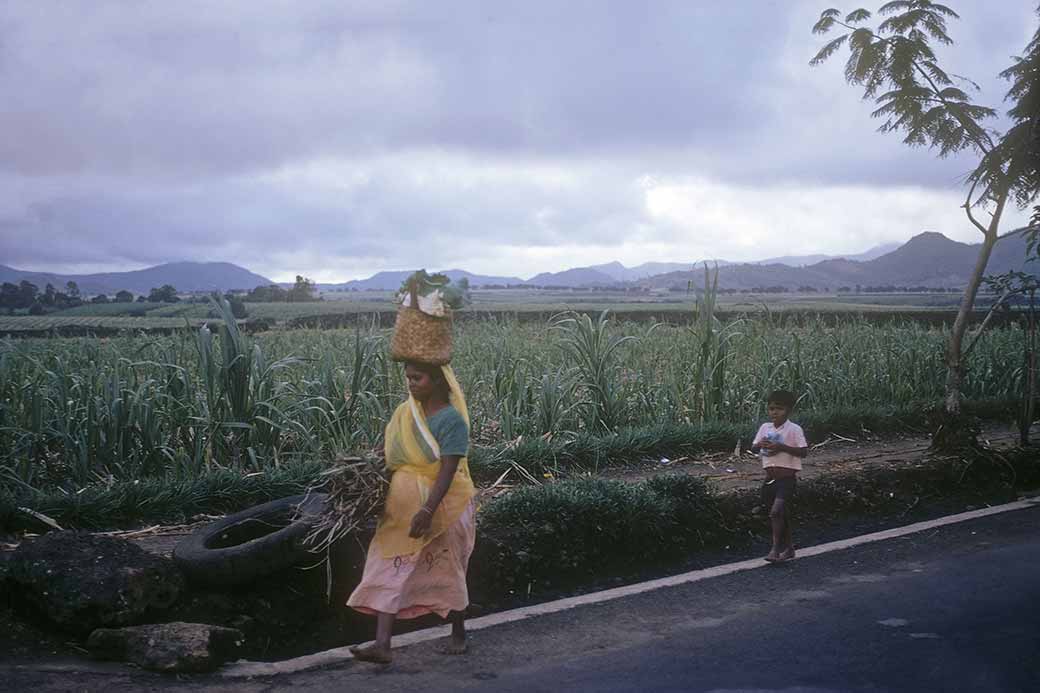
column 422, row 519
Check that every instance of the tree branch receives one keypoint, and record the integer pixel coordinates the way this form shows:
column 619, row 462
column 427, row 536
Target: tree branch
column 984, row 147
column 989, row 316
column 967, row 209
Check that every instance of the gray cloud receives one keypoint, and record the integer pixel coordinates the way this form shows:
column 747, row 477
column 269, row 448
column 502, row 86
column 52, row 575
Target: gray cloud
column 280, row 135
column 167, row 88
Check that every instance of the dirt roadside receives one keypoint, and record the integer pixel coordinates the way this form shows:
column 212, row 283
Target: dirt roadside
column 24, row 642
column 693, row 615
column 742, row 470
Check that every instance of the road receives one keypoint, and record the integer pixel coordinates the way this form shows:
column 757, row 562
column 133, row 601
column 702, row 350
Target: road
column 952, row 609
column 967, row 621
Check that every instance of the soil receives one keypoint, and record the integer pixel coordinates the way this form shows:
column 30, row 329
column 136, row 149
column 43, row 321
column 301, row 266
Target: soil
column 284, row 629
column 744, row 470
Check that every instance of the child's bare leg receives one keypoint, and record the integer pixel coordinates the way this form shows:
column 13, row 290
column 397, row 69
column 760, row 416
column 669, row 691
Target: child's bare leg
column 777, row 520
column 788, row 551
column 379, row 651
column 457, row 644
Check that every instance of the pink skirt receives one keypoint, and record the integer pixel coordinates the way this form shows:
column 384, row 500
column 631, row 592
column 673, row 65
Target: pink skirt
column 431, row 581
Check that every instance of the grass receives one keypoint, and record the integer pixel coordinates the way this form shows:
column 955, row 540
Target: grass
column 344, row 309
column 584, row 528
column 112, row 309
column 168, row 499
column 177, row 497
column 538, row 540
column 574, row 393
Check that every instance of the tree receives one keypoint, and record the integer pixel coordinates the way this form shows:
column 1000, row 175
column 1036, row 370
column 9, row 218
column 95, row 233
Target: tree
column 302, row 291
column 49, row 294
column 238, row 306
column 124, row 296
column 27, row 292
column 100, row 298
column 235, row 302
column 896, row 66
column 71, row 298
column 268, row 294
column 9, row 296
column 163, row 294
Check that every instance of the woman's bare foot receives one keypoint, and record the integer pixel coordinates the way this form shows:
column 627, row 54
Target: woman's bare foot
column 372, row 653
column 787, row 555
column 457, row 643
column 456, row 646
column 773, row 556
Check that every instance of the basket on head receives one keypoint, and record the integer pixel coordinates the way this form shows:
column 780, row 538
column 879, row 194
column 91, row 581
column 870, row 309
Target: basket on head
column 421, row 337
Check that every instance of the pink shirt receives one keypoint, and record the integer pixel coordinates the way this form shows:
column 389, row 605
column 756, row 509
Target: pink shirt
column 790, row 434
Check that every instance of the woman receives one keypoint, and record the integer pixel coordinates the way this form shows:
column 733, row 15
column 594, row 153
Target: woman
column 417, row 561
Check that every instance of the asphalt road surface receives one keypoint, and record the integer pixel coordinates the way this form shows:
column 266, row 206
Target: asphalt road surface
column 970, row 622
column 952, row 609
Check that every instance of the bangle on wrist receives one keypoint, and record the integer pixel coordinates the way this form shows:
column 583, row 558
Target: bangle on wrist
column 425, row 509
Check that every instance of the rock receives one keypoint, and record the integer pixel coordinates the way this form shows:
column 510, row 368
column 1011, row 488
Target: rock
column 167, row 647
column 81, row 581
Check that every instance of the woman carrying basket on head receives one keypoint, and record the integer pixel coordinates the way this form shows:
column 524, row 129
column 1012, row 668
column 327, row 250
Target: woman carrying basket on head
column 417, row 561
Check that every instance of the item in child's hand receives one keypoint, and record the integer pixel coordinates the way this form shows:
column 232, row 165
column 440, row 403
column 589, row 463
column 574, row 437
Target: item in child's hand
column 773, row 437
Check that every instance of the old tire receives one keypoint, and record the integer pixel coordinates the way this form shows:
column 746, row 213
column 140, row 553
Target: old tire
column 250, row 544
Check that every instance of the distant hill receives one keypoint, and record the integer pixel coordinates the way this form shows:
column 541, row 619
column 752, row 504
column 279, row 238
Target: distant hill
column 185, row 276
column 620, row 273
column 804, row 260
column 929, row 259
column 578, row 276
column 391, row 281
column 590, row 276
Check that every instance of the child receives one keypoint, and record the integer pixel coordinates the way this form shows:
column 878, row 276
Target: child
column 781, row 444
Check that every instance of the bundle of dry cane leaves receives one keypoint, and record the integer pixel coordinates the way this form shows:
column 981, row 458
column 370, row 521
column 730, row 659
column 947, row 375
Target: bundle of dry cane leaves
column 356, row 488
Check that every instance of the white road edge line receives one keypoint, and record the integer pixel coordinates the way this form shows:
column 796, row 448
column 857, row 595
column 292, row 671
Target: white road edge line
column 341, row 654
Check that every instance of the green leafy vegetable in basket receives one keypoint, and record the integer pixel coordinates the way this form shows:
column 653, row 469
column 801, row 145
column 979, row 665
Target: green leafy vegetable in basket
column 434, row 294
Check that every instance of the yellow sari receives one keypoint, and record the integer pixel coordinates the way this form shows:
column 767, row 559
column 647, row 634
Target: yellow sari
column 414, row 457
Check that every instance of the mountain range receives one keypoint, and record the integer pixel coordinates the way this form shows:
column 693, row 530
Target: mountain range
column 929, row 259
column 609, row 274
column 391, row 280
column 185, row 276
column 620, row 273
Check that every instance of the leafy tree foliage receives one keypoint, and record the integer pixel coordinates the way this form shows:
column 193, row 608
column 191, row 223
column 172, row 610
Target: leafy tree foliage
column 235, row 302
column 896, row 65
column 9, row 297
column 163, row 294
column 268, row 294
column 27, row 292
column 303, row 290
column 124, row 296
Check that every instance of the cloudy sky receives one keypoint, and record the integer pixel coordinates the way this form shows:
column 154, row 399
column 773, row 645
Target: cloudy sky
column 339, row 138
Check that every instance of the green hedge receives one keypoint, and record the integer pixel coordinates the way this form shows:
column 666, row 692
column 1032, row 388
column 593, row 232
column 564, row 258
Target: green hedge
column 155, row 501
column 169, row 500
column 582, row 531
column 584, row 527
column 588, row 452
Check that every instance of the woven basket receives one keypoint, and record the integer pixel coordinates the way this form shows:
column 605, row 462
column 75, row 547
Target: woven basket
column 421, row 337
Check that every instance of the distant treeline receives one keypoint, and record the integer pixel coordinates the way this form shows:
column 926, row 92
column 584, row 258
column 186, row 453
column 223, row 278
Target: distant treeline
column 26, row 296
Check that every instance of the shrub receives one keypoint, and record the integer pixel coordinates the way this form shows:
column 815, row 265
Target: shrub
column 573, row 530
